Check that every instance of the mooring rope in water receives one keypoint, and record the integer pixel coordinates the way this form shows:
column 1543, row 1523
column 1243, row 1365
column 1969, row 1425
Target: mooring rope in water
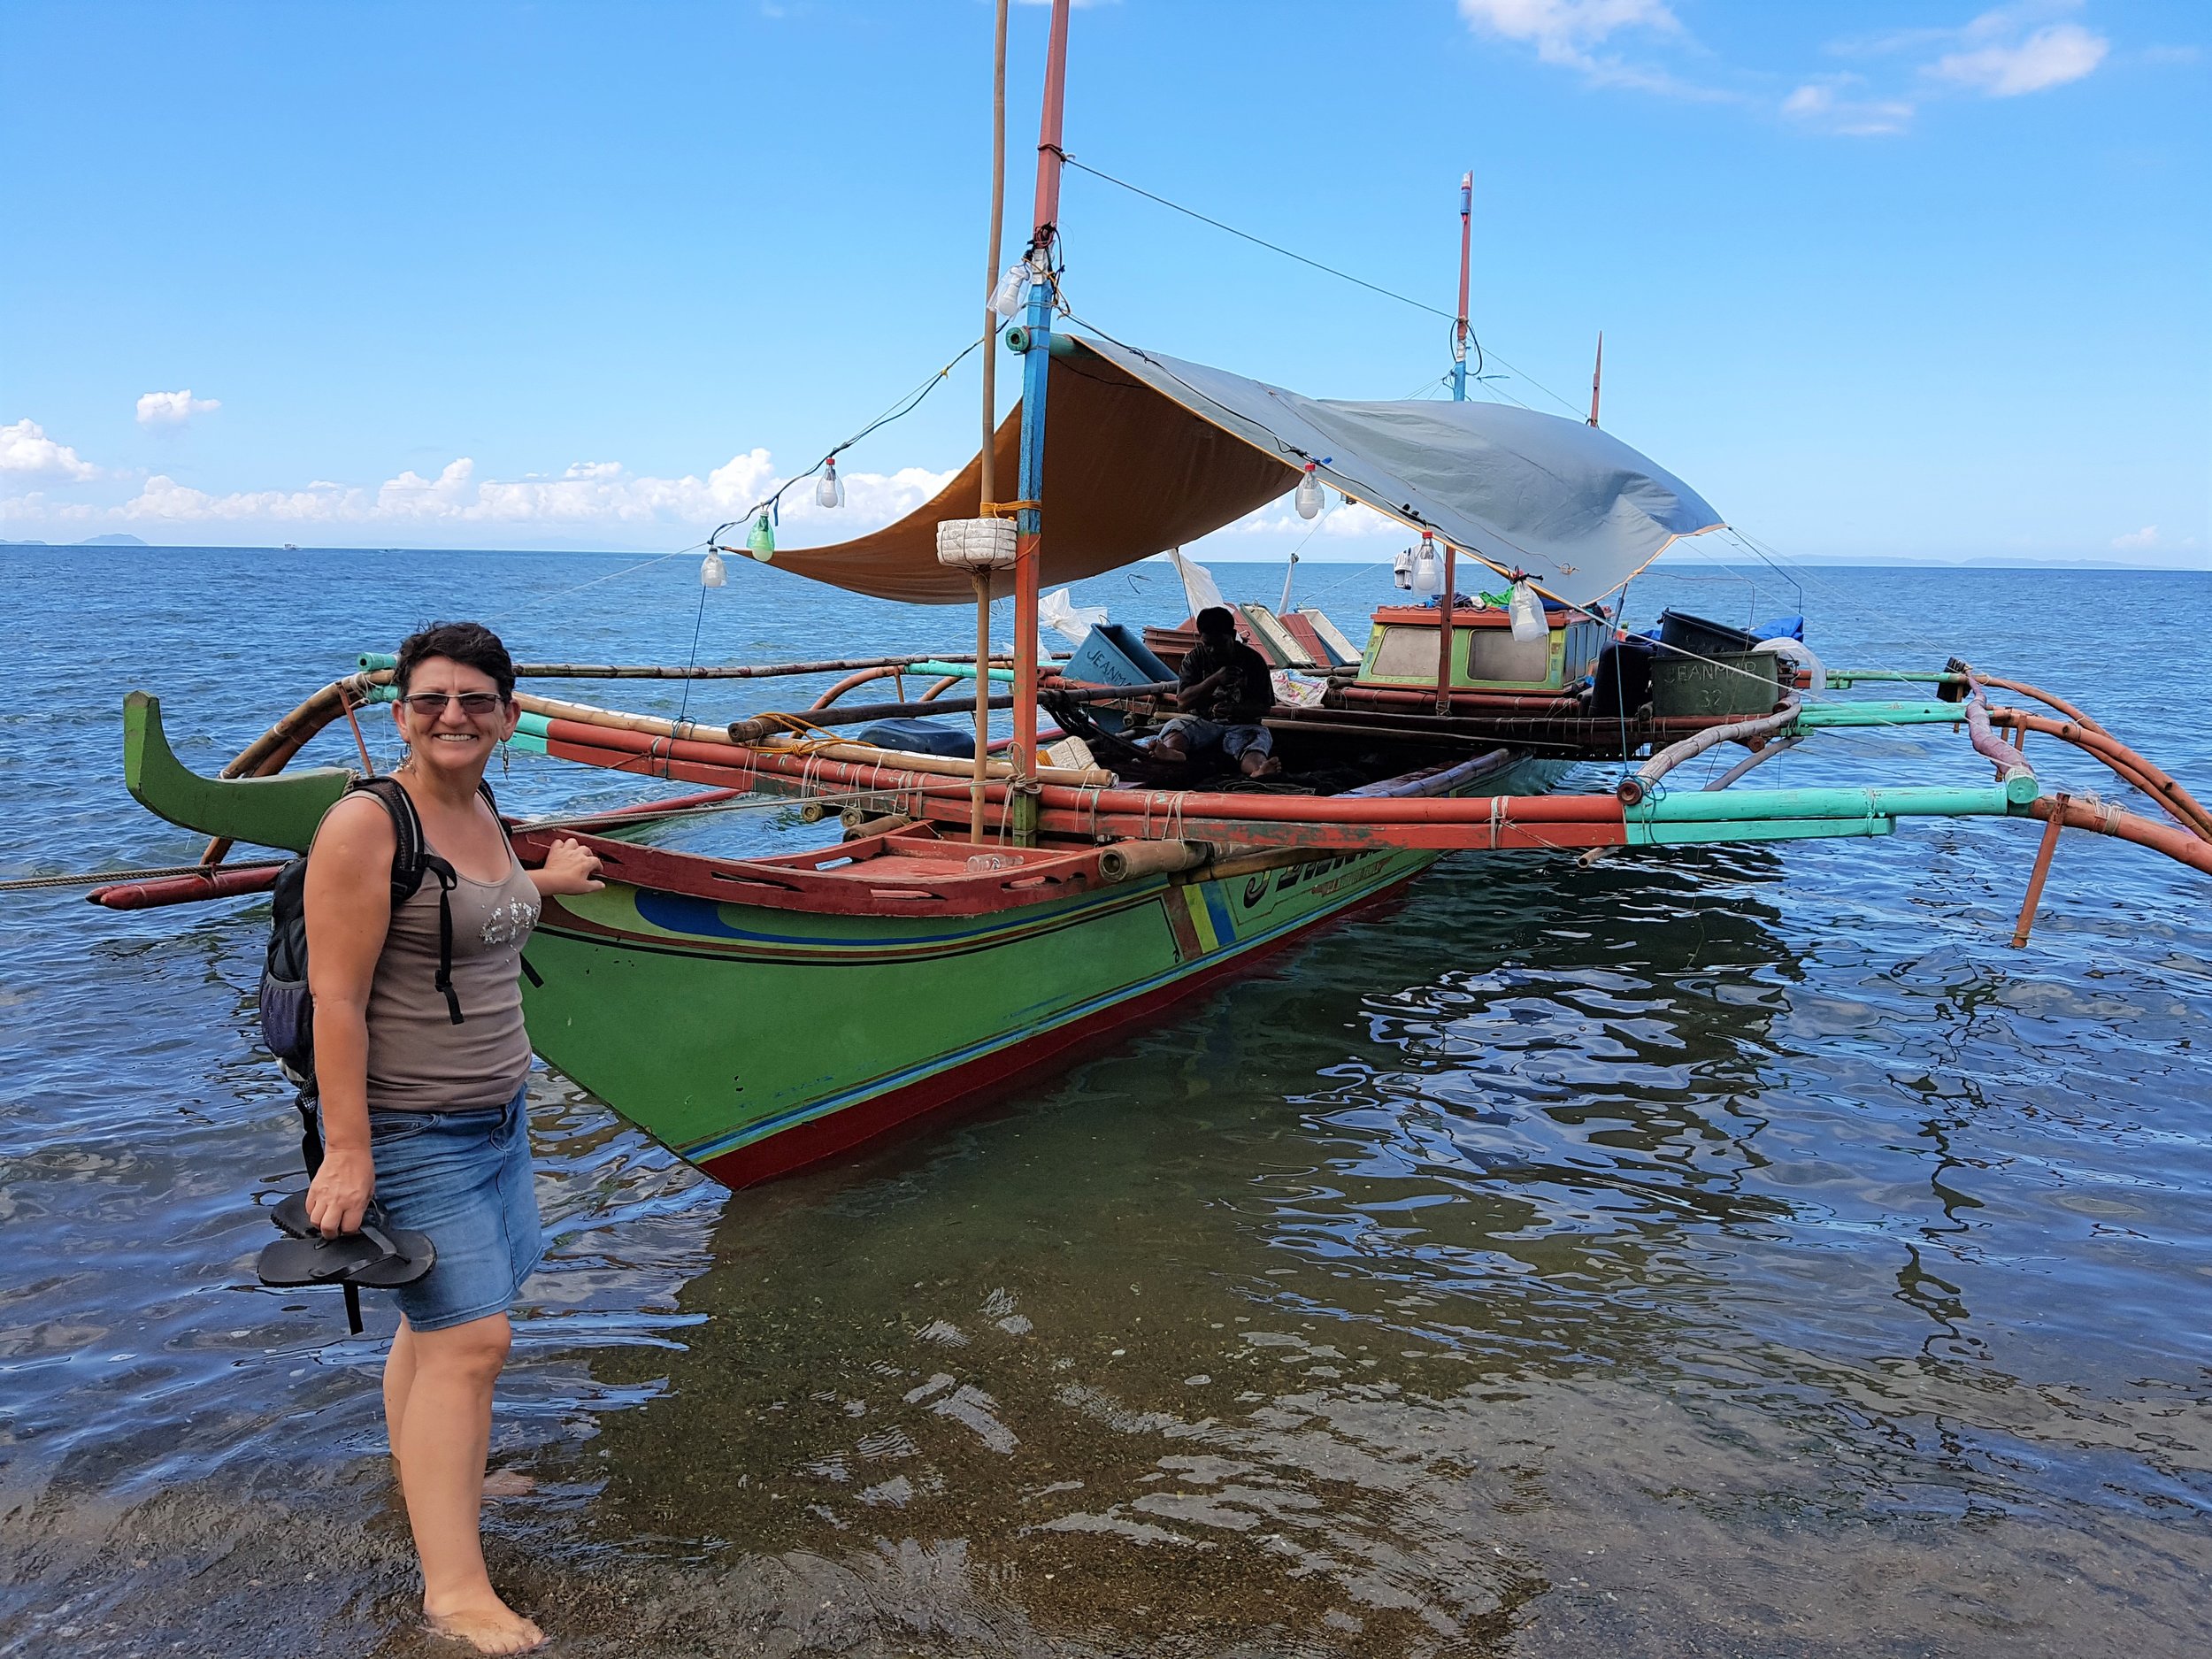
column 24, row 884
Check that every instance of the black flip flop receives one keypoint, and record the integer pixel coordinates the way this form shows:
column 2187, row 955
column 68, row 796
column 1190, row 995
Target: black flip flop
column 379, row 1255
column 290, row 1216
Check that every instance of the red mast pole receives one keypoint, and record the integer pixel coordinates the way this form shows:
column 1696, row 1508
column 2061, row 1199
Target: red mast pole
column 1049, row 123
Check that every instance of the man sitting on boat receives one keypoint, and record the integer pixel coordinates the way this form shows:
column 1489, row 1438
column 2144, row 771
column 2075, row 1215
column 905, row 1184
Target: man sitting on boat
column 1226, row 691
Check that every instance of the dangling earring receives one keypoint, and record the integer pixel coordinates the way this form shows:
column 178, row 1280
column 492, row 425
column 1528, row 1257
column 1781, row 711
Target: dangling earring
column 503, row 762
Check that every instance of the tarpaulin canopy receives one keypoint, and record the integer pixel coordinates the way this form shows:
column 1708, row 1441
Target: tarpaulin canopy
column 1145, row 452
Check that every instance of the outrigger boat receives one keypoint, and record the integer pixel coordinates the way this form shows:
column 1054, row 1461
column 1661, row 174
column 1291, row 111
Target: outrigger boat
column 987, row 917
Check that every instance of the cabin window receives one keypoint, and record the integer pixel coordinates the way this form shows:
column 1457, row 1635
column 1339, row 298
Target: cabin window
column 1497, row 654
column 1406, row 654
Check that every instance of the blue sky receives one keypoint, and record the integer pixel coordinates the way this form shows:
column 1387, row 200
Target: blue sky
column 1880, row 279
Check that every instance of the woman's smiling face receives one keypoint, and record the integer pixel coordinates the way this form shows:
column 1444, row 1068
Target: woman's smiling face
column 446, row 735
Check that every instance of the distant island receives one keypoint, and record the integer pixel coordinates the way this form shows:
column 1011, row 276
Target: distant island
column 117, row 540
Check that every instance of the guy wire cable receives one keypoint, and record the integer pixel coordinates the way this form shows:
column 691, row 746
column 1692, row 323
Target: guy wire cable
column 1481, row 352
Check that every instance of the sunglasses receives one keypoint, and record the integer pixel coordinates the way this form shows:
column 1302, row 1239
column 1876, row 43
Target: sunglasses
column 429, row 705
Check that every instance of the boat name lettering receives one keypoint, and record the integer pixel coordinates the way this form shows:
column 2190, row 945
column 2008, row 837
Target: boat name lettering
column 1297, row 875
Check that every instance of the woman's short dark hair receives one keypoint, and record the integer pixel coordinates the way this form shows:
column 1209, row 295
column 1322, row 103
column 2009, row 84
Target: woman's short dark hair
column 469, row 643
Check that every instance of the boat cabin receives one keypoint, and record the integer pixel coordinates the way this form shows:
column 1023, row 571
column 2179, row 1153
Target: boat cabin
column 1486, row 656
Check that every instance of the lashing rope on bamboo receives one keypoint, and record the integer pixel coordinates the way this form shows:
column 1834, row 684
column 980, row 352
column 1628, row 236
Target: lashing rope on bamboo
column 26, row 883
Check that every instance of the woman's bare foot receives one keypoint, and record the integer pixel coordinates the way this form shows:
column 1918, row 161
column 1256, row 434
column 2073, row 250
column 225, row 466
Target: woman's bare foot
column 488, row 1627
column 509, row 1482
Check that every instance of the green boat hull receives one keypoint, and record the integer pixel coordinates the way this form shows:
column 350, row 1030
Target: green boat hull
column 751, row 1041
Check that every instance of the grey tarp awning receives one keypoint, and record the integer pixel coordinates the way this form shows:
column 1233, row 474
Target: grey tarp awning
column 1145, row 452
column 1573, row 506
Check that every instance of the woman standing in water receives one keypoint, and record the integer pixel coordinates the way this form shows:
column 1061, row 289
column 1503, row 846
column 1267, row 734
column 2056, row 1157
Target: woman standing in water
column 423, row 1096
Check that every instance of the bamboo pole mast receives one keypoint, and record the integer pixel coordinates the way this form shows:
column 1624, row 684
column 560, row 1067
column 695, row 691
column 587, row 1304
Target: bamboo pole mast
column 1597, row 373
column 989, row 502
column 1037, row 356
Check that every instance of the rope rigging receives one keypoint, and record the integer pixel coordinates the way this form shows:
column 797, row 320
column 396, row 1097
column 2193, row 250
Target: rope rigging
column 1482, row 354
column 904, row 406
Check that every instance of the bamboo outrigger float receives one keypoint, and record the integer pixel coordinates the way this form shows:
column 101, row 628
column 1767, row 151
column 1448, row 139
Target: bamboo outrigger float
column 990, row 913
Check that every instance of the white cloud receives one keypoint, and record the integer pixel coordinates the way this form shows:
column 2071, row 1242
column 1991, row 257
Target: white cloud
column 1562, row 31
column 2050, row 57
column 173, row 409
column 2001, row 52
column 590, row 498
column 2151, row 539
column 25, row 448
column 1823, row 105
column 1344, row 518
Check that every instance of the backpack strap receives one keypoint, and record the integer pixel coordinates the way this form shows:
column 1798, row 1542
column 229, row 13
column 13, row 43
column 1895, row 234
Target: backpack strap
column 411, row 860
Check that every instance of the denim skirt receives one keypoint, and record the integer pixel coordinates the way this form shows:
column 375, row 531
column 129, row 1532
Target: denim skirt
column 463, row 1178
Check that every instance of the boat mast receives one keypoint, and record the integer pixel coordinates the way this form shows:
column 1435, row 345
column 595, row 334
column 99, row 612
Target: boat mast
column 989, row 464
column 1466, row 244
column 1596, row 375
column 1447, row 602
column 1036, row 360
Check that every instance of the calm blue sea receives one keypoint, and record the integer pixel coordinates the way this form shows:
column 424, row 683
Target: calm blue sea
column 1732, row 1250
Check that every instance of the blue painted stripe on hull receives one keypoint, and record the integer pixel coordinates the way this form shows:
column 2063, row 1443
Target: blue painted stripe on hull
column 702, row 918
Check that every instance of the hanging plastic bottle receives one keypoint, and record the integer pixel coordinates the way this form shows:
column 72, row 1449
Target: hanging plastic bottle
column 760, row 541
column 1012, row 290
column 711, row 571
column 830, row 491
column 1525, row 610
column 1402, row 570
column 1428, row 570
column 1307, row 500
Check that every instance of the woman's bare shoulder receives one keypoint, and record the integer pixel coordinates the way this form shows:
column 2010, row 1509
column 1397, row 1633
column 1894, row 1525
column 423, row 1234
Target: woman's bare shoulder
column 357, row 828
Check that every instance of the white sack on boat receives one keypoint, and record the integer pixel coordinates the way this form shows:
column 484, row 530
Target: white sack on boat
column 1059, row 612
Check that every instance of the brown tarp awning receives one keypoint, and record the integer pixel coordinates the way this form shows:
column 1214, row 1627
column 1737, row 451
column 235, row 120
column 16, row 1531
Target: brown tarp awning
column 1128, row 473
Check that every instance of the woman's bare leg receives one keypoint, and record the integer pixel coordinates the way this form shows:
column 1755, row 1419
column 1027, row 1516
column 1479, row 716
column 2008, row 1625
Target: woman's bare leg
column 399, row 1377
column 444, row 1431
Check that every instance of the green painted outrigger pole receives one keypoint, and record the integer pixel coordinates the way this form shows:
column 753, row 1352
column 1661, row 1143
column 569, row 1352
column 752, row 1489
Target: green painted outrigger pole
column 1702, row 816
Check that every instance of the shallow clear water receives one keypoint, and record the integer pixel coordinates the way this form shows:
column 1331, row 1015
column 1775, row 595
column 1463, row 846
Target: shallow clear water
column 1727, row 1251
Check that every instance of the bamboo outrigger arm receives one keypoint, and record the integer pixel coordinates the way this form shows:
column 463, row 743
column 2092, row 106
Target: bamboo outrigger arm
column 251, row 804
column 1634, row 788
column 2108, row 819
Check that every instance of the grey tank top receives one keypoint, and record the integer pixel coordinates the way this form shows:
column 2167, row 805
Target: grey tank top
column 419, row 1059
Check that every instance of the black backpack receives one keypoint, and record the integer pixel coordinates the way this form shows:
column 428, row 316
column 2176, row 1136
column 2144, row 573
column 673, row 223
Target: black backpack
column 288, row 1008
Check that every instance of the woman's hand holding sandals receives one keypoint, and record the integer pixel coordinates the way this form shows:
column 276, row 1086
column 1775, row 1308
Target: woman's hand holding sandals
column 339, row 1196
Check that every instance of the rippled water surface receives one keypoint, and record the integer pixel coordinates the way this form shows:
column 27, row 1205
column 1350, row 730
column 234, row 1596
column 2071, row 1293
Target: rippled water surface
column 1731, row 1251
